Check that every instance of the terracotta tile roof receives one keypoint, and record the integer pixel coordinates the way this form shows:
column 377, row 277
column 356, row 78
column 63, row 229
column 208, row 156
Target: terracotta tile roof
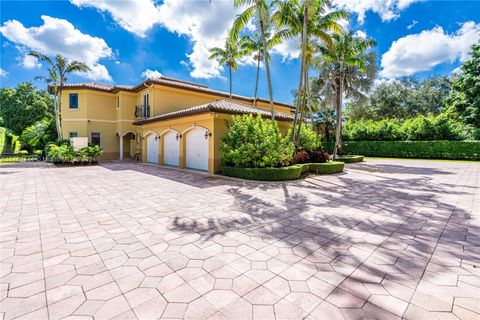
column 166, row 81
column 220, row 106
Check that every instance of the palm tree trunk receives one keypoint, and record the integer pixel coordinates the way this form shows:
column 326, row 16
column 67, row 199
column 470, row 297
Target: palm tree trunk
column 230, row 72
column 338, row 127
column 267, row 67
column 58, row 115
column 256, row 79
column 304, row 101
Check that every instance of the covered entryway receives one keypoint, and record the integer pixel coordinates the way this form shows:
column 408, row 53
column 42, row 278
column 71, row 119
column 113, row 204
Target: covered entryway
column 197, row 149
column 152, row 148
column 171, row 149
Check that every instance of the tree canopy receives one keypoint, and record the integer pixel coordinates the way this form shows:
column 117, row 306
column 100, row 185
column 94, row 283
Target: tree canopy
column 22, row 106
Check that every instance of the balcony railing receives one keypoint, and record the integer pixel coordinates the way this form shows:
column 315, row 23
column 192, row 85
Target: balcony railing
column 142, row 112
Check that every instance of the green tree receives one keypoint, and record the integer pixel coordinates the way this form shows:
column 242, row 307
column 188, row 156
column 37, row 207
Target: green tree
column 464, row 97
column 22, row 106
column 254, row 44
column 346, row 68
column 258, row 11
column 312, row 21
column 58, row 70
column 39, row 134
column 229, row 55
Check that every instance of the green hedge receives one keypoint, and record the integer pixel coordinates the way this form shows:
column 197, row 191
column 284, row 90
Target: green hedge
column 349, row 158
column 441, row 149
column 326, row 168
column 264, row 174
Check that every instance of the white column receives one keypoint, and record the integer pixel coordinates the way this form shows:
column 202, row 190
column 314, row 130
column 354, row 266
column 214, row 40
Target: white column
column 121, row 147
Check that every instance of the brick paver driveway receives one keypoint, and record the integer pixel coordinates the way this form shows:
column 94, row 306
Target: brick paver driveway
column 384, row 240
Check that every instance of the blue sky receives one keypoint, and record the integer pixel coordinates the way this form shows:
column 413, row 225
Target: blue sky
column 121, row 40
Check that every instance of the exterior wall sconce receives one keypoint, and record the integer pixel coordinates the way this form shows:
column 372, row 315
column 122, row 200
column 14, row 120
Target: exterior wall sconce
column 178, row 136
column 207, row 134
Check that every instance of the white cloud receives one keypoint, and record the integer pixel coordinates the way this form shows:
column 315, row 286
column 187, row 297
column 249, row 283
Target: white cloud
column 425, row 50
column 386, row 9
column 59, row 36
column 288, row 49
column 410, row 26
column 30, row 62
column 135, row 16
column 3, row 73
column 151, row 74
column 361, row 34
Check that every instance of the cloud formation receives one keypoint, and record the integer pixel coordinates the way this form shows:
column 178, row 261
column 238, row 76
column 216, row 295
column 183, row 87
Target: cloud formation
column 151, row 74
column 59, row 36
column 386, row 9
column 427, row 49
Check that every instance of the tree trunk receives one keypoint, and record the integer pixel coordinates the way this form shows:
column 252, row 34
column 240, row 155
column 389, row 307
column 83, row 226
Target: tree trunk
column 304, row 101
column 58, row 115
column 300, row 93
column 267, row 67
column 230, row 72
column 256, row 79
column 338, row 128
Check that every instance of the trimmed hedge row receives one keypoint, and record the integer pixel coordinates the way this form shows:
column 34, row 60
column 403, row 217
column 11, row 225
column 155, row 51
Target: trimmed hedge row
column 264, row 174
column 326, row 168
column 440, row 149
column 283, row 173
column 349, row 159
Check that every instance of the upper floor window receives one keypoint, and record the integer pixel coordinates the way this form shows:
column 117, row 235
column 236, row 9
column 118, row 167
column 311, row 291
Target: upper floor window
column 73, row 100
column 96, row 139
column 73, row 134
column 118, row 102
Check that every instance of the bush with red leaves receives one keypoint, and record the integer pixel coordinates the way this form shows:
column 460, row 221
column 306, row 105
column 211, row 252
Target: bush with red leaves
column 319, row 156
column 301, row 157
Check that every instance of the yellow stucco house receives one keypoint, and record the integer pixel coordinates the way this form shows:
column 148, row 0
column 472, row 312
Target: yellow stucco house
column 162, row 120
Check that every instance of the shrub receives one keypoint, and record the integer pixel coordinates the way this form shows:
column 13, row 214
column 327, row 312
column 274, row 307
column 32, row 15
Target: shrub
column 64, row 153
column 264, row 174
column 309, row 140
column 321, row 156
column 252, row 142
column 420, row 128
column 326, row 168
column 349, row 159
column 301, row 157
column 463, row 150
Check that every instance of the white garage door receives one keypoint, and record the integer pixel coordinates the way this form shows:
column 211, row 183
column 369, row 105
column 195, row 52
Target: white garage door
column 197, row 149
column 152, row 148
column 171, row 149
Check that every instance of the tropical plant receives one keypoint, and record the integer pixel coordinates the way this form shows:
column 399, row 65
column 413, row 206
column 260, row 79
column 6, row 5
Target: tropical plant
column 258, row 11
column 66, row 154
column 312, row 21
column 233, row 50
column 252, row 142
column 308, row 139
column 346, row 68
column 22, row 106
column 254, row 44
column 39, row 134
column 58, row 70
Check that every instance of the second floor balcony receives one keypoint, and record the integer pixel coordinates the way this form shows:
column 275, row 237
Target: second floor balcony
column 142, row 112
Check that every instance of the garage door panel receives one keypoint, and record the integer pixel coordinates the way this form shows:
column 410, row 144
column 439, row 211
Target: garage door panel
column 152, row 148
column 197, row 149
column 171, row 149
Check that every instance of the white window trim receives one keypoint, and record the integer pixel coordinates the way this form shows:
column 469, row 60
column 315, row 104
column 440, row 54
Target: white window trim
column 90, row 138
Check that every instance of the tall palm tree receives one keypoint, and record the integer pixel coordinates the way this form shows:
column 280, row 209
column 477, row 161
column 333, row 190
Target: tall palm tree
column 229, row 55
column 258, row 11
column 58, row 70
column 347, row 68
column 307, row 19
column 254, row 44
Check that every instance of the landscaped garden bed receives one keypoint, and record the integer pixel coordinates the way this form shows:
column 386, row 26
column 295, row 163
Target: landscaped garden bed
column 254, row 149
column 63, row 153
